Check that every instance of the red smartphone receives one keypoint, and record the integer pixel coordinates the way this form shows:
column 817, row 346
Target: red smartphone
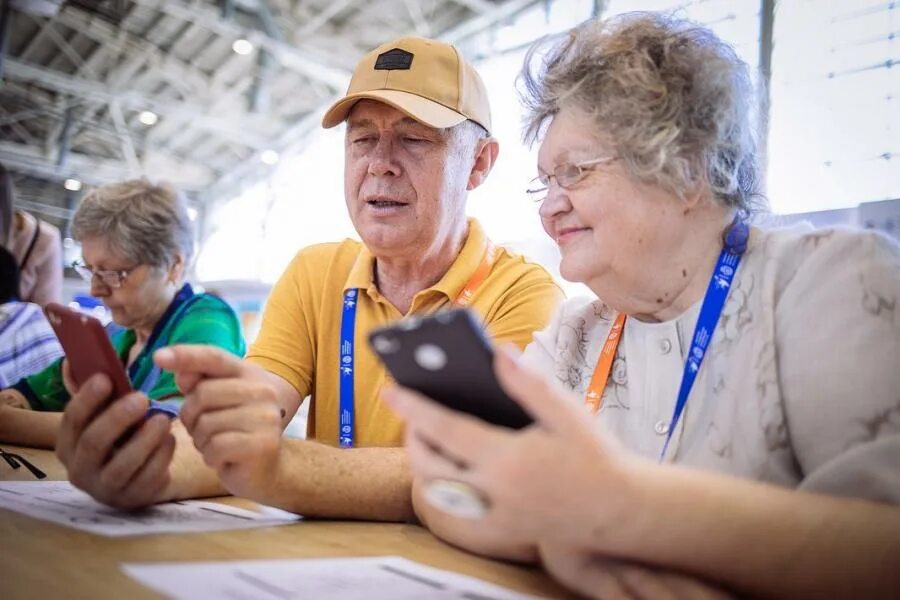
column 87, row 347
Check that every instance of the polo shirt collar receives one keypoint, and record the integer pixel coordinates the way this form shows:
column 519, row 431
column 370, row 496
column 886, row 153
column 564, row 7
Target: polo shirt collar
column 362, row 274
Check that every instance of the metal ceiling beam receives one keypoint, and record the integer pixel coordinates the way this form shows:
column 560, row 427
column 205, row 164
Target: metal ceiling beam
column 18, row 128
column 234, row 127
column 301, row 61
column 418, row 18
column 485, row 20
column 30, row 159
column 258, row 95
column 131, row 157
column 65, row 138
column 73, row 55
column 167, row 65
column 332, row 10
column 479, row 6
column 5, row 30
column 58, row 212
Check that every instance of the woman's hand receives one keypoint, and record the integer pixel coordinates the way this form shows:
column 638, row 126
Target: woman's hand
column 596, row 576
column 12, row 398
column 554, row 480
column 128, row 474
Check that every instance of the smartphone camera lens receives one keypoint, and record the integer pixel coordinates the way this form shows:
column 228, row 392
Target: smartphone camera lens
column 431, row 357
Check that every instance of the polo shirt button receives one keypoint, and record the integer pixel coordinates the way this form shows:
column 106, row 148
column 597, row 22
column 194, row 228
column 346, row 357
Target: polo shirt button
column 661, row 427
column 665, row 346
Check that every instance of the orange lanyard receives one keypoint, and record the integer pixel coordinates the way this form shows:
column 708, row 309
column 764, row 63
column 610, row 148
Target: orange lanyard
column 484, row 269
column 604, row 364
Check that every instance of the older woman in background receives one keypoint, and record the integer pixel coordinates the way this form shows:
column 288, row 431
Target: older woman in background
column 745, row 382
column 136, row 242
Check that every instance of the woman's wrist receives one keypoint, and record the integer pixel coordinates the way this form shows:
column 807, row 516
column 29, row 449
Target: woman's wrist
column 619, row 507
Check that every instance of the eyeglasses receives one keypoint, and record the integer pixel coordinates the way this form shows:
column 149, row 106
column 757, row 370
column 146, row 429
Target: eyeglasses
column 17, row 460
column 566, row 175
column 112, row 279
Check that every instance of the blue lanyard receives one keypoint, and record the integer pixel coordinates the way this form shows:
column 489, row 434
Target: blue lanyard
column 735, row 243
column 348, row 326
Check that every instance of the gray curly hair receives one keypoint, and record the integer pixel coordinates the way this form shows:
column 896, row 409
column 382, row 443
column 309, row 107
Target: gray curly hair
column 144, row 222
column 674, row 99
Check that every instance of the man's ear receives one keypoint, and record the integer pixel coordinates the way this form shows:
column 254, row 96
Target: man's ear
column 485, row 156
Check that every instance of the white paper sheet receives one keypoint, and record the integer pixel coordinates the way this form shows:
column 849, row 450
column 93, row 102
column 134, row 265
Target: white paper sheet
column 60, row 502
column 371, row 578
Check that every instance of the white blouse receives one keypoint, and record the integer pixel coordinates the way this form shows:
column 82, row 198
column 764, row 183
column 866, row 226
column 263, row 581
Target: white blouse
column 800, row 385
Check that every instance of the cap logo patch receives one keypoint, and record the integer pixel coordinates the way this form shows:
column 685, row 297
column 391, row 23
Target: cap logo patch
column 395, row 59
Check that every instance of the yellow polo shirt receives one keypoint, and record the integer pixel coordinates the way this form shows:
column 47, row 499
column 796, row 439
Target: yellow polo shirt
column 300, row 334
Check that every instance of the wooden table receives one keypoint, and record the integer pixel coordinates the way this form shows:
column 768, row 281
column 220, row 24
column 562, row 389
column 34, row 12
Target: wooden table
column 39, row 559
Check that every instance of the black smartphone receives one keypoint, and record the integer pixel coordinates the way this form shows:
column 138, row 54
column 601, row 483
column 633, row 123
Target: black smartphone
column 447, row 357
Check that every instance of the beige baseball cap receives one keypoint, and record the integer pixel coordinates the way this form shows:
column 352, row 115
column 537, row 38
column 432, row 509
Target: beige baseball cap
column 426, row 79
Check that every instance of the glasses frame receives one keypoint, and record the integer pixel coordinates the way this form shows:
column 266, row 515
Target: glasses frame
column 540, row 185
column 17, row 460
column 112, row 278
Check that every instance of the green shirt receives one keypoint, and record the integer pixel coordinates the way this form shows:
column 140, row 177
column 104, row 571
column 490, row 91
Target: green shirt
column 190, row 319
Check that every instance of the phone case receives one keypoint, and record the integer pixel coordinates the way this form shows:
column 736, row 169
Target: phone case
column 447, row 357
column 87, row 347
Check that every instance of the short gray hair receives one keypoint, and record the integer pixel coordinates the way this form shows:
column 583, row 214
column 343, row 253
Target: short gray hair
column 144, row 222
column 675, row 100
column 468, row 133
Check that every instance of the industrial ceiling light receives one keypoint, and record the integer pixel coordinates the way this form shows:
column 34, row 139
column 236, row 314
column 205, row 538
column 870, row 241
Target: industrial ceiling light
column 148, row 118
column 269, row 157
column 73, row 185
column 242, row 47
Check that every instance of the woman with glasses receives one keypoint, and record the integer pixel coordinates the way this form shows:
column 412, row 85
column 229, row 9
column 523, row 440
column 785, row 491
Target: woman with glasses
column 136, row 242
column 724, row 415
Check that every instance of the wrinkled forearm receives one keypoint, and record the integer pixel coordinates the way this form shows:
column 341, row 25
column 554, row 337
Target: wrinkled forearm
column 190, row 476
column 759, row 538
column 29, row 428
column 316, row 480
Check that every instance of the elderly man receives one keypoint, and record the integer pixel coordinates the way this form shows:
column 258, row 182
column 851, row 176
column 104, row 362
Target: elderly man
column 417, row 141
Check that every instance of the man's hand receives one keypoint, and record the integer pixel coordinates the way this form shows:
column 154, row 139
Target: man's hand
column 231, row 411
column 132, row 475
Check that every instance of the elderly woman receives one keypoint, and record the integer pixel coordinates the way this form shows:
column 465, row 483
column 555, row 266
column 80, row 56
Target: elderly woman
column 743, row 383
column 136, row 242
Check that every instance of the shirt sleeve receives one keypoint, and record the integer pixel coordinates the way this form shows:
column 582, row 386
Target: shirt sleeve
column 540, row 354
column 285, row 344
column 212, row 323
column 525, row 307
column 838, row 344
column 45, row 389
